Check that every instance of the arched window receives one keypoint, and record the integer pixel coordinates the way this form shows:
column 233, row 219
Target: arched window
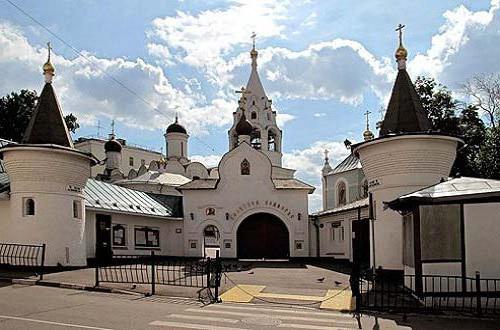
column 77, row 212
column 29, row 206
column 255, row 139
column 341, row 194
column 271, row 141
column 245, row 167
column 364, row 189
column 253, row 115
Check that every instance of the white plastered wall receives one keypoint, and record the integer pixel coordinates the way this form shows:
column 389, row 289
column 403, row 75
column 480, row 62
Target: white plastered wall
column 241, row 196
column 171, row 242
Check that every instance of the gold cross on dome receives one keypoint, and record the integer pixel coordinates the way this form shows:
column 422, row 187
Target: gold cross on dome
column 367, row 114
column 326, row 153
column 49, row 47
column 400, row 30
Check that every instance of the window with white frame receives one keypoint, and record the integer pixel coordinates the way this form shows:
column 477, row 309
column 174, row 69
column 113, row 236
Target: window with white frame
column 119, row 235
column 147, row 237
column 28, row 207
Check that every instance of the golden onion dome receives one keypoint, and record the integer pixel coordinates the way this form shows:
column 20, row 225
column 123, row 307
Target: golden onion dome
column 48, row 68
column 401, row 53
column 368, row 135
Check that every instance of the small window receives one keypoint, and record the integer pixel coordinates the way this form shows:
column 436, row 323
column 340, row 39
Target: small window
column 333, row 234
column 193, row 244
column 29, row 207
column 254, row 115
column 77, row 209
column 341, row 194
column 182, row 149
column 342, row 234
column 245, row 167
column 147, row 237
column 131, row 161
column 299, row 245
column 271, row 141
column 119, row 235
column 143, row 162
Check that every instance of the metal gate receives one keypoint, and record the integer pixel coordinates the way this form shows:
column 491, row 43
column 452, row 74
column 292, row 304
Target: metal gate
column 156, row 270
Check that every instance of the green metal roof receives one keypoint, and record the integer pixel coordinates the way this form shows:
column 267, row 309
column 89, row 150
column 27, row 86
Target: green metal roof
column 106, row 196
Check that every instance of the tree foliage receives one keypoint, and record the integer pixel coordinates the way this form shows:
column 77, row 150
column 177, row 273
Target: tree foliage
column 450, row 116
column 16, row 110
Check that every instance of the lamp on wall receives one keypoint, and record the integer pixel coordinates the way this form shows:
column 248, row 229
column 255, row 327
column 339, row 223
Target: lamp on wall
column 299, row 216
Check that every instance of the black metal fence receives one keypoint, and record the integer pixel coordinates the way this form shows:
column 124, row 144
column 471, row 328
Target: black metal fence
column 156, row 270
column 22, row 260
column 430, row 293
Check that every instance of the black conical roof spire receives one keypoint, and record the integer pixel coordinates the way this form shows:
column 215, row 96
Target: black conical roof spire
column 405, row 113
column 47, row 125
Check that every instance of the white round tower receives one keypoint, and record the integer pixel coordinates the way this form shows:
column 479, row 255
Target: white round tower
column 406, row 156
column 47, row 178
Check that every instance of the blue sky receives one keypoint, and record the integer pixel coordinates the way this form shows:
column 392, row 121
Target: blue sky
column 324, row 63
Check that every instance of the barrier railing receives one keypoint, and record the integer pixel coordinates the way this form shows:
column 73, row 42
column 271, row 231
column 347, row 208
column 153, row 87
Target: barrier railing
column 22, row 260
column 156, row 270
column 473, row 295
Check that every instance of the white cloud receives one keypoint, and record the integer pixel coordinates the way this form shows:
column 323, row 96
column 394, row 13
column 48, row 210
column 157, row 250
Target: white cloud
column 208, row 160
column 204, row 38
column 283, row 118
column 310, row 20
column 319, row 114
column 467, row 43
column 309, row 162
column 87, row 90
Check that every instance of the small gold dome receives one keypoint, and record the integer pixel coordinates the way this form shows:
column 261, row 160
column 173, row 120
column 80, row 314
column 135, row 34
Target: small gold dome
column 401, row 53
column 368, row 135
column 254, row 53
column 48, row 68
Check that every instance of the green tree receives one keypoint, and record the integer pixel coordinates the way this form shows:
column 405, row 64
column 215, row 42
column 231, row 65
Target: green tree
column 489, row 154
column 16, row 110
column 450, row 116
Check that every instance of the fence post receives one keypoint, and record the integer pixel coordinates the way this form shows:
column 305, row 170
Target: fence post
column 478, row 294
column 218, row 270
column 42, row 266
column 208, row 272
column 153, row 276
column 96, row 273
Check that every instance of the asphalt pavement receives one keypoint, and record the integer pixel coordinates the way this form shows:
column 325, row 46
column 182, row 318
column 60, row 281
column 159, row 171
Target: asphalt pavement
column 36, row 307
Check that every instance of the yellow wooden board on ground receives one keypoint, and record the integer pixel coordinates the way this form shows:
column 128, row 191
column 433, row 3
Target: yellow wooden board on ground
column 242, row 293
column 340, row 300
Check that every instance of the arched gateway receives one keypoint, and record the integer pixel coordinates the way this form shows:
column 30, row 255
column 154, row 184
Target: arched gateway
column 263, row 235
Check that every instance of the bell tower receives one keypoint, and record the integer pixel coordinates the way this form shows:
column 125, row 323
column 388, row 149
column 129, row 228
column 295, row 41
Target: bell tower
column 266, row 136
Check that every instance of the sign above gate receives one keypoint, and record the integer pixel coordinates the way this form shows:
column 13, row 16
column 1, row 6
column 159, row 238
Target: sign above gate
column 265, row 203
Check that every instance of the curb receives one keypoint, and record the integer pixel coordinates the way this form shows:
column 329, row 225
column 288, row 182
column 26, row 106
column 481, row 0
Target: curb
column 72, row 286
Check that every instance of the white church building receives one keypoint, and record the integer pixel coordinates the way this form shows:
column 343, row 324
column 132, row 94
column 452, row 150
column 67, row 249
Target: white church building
column 249, row 207
column 390, row 203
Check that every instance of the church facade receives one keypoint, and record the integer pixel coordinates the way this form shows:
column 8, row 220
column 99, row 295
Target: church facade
column 248, row 207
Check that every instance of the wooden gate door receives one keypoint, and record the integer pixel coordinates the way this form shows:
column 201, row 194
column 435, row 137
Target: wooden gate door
column 263, row 236
column 361, row 242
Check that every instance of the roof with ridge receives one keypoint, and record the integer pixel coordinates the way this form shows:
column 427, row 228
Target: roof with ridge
column 405, row 113
column 47, row 125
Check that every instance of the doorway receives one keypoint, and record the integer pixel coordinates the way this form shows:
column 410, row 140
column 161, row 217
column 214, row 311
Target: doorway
column 103, row 248
column 263, row 236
